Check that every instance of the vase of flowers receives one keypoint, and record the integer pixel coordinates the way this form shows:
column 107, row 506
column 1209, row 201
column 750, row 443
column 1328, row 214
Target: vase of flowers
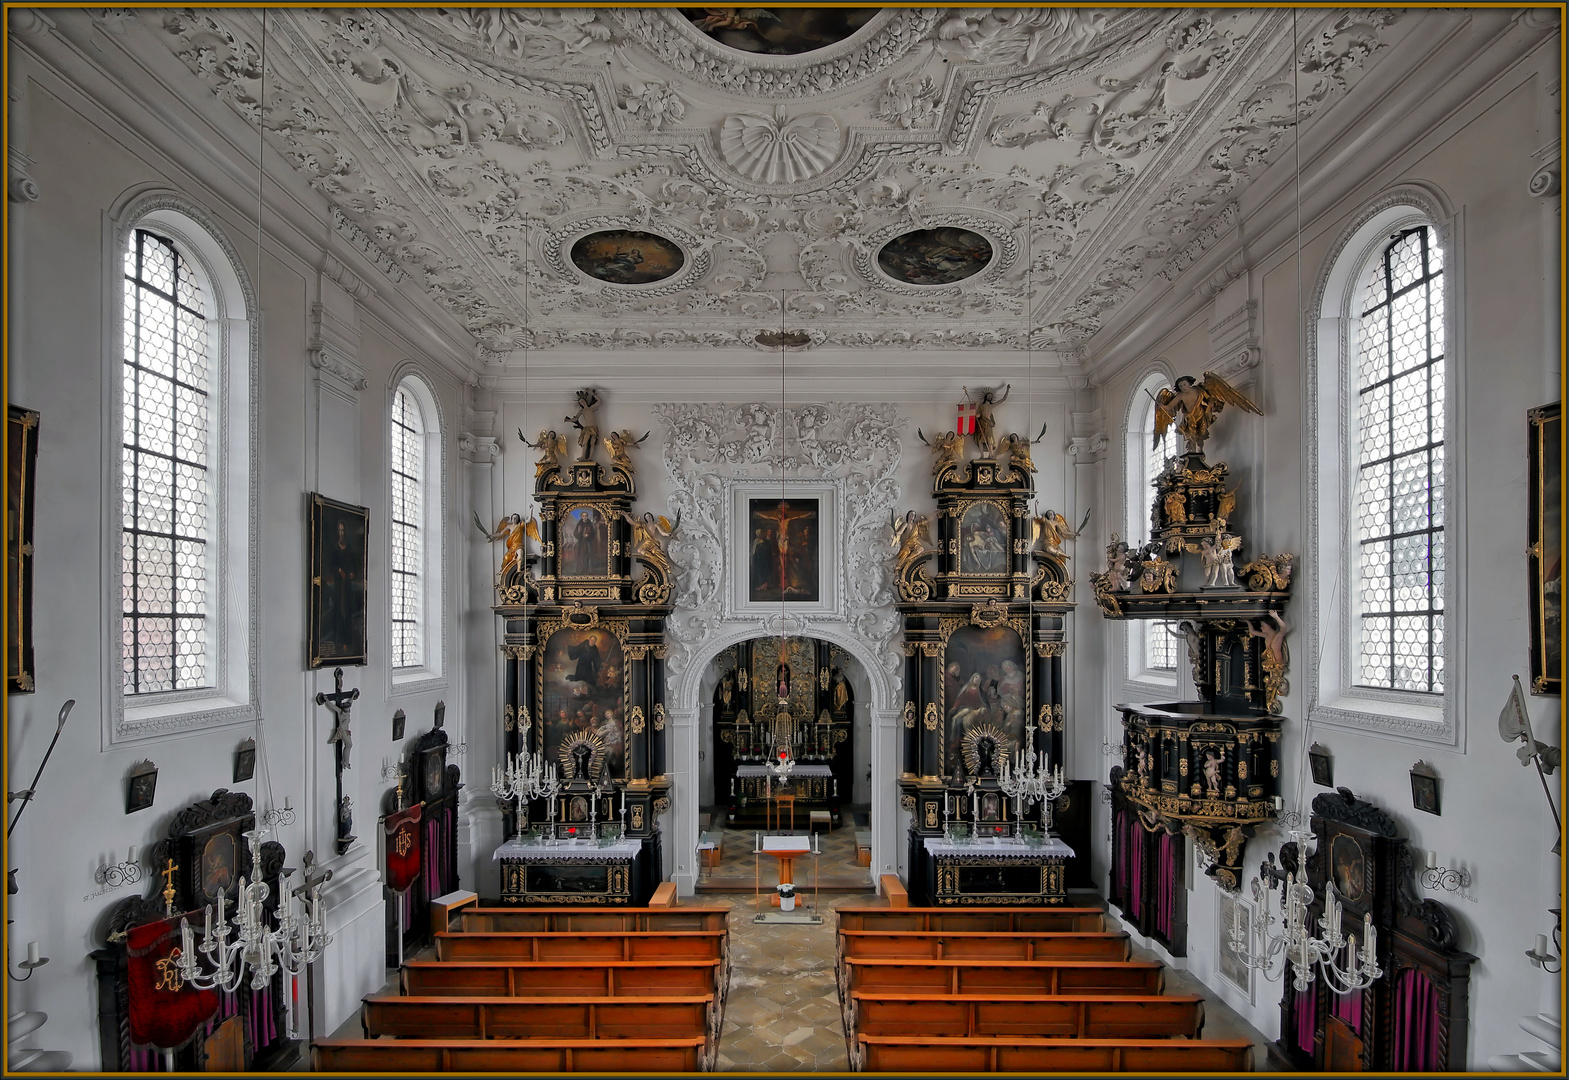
column 786, row 893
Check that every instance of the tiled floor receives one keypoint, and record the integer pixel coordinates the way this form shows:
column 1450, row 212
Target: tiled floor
column 739, row 868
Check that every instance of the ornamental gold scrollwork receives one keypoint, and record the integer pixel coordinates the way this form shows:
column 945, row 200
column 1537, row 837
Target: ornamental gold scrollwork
column 637, row 652
column 1049, row 648
column 659, row 716
column 637, row 816
column 930, row 719
column 931, row 815
column 909, row 714
column 635, row 720
column 907, row 802
column 661, row 806
column 507, row 719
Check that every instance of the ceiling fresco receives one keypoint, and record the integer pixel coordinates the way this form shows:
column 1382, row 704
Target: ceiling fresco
column 667, row 178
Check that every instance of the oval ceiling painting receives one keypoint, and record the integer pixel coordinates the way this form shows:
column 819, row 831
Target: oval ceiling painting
column 624, row 257
column 935, row 256
column 778, row 30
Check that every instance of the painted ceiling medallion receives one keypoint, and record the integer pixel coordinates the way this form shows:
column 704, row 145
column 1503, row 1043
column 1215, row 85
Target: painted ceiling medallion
column 935, row 256
column 776, row 150
column 780, row 31
column 625, row 257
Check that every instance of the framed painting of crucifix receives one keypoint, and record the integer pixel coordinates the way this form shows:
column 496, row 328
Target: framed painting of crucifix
column 785, row 557
column 783, row 547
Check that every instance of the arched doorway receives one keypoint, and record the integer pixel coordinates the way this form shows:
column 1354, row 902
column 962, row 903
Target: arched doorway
column 797, row 694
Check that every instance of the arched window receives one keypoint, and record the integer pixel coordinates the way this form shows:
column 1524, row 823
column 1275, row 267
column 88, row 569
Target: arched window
column 1151, row 646
column 414, row 516
column 183, row 489
column 1381, row 439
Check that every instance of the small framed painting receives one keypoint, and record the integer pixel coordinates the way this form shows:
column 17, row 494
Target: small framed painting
column 1424, row 787
column 337, row 584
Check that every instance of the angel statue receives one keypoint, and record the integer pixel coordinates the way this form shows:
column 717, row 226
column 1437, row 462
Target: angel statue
column 1017, row 447
column 510, row 530
column 1217, row 552
column 1274, row 638
column 651, row 537
column 985, row 420
column 949, row 448
column 550, row 446
column 618, row 443
column 1199, row 403
column 1226, row 505
column 586, row 422
column 1118, row 569
column 1051, row 529
column 912, row 538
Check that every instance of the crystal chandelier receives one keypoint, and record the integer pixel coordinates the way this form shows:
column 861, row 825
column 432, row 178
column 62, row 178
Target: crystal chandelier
column 290, row 946
column 525, row 777
column 780, row 770
column 1346, row 967
column 1032, row 781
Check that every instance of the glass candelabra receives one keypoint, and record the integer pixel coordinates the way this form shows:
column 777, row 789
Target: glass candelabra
column 1032, row 781
column 524, row 777
column 1346, row 967
column 261, row 949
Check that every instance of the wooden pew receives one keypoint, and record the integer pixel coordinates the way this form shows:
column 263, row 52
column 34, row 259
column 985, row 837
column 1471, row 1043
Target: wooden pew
column 891, row 1053
column 1063, row 1017
column 507, row 1055
column 973, row 944
column 898, row 896
column 539, row 920
column 1001, row 978
column 537, row 1018
column 994, row 919
column 583, row 945
column 592, row 978
column 664, row 896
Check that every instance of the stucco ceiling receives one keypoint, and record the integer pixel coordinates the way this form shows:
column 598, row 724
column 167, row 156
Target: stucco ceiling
column 1070, row 156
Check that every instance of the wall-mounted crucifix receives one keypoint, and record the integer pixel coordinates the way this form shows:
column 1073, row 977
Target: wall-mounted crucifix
column 340, row 701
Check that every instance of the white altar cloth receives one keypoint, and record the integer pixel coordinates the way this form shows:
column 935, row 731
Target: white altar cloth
column 998, row 847
column 569, row 851
column 811, row 772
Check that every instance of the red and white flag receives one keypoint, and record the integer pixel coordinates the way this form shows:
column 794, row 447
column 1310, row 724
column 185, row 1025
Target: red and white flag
column 966, row 424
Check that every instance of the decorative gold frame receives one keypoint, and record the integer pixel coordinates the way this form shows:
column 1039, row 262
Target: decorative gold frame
column 545, row 629
column 564, row 510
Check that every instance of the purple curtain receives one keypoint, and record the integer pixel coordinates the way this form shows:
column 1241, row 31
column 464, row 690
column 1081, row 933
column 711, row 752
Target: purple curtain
column 1416, row 1022
column 1348, row 1007
column 1135, row 866
column 1166, row 885
column 1307, row 1020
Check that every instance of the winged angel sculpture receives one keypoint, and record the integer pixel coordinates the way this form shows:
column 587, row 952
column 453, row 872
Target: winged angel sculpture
column 1199, row 402
column 511, row 531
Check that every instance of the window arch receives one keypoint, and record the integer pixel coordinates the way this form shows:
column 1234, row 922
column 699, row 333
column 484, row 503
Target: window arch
column 1151, row 648
column 415, row 501
column 1381, row 446
column 182, row 491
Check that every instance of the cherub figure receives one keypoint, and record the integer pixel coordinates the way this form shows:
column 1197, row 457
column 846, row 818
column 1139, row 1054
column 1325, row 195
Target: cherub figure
column 912, row 538
column 550, row 446
column 1217, row 552
column 985, row 418
column 1274, row 638
column 510, row 530
column 1199, row 402
column 618, row 443
column 1213, row 759
column 1017, row 447
column 1118, row 568
column 650, row 537
column 948, row 447
column 1051, row 528
column 586, row 423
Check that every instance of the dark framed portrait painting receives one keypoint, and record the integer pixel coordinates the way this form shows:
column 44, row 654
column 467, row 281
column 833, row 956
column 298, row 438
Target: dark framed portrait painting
column 583, row 539
column 984, row 697
column 338, row 534
column 784, row 556
column 141, row 786
column 21, row 462
column 983, row 539
column 1546, row 540
column 1424, row 788
column 584, row 690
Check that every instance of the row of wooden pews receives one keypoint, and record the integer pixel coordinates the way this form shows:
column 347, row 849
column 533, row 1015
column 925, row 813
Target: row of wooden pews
column 1013, row 990
column 551, row 990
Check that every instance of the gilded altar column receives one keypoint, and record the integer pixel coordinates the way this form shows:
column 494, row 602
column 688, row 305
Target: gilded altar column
column 639, row 713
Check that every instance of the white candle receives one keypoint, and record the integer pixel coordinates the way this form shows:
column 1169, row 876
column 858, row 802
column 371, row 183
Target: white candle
column 975, row 806
column 1541, row 947
column 623, row 800
column 208, row 928
column 131, row 855
column 32, row 952
column 286, row 805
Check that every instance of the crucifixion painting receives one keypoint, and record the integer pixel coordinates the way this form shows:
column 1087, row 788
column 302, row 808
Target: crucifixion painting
column 783, row 553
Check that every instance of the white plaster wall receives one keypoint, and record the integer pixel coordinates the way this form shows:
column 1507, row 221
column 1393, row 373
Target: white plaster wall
column 82, row 162
column 1494, row 823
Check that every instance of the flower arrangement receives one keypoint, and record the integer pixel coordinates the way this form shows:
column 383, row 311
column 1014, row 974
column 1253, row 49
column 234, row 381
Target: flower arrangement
column 785, row 889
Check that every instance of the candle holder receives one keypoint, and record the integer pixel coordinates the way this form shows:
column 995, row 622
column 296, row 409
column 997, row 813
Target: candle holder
column 1435, row 877
column 117, row 875
column 33, row 962
column 278, row 816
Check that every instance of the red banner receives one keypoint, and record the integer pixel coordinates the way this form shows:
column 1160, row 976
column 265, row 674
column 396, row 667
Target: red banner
column 966, row 418
column 403, row 847
column 165, row 1010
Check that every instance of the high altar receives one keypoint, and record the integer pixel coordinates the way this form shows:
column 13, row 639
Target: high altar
column 584, row 652
column 984, row 605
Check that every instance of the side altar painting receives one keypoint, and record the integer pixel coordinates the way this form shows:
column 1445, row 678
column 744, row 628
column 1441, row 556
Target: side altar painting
column 583, row 591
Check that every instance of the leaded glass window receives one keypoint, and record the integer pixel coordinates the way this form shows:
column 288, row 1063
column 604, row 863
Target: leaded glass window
column 166, row 514
column 1398, row 499
column 1151, row 647
column 407, row 514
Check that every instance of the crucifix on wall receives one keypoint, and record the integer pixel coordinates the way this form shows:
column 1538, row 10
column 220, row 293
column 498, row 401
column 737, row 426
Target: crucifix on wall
column 340, row 701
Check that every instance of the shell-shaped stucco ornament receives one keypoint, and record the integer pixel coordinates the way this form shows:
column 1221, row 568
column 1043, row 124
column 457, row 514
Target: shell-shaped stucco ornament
column 779, row 150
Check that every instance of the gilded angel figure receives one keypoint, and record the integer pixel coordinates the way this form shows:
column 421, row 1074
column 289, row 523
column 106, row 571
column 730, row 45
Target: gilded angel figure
column 618, row 443
column 510, row 531
column 1198, row 402
column 912, row 538
column 650, row 537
